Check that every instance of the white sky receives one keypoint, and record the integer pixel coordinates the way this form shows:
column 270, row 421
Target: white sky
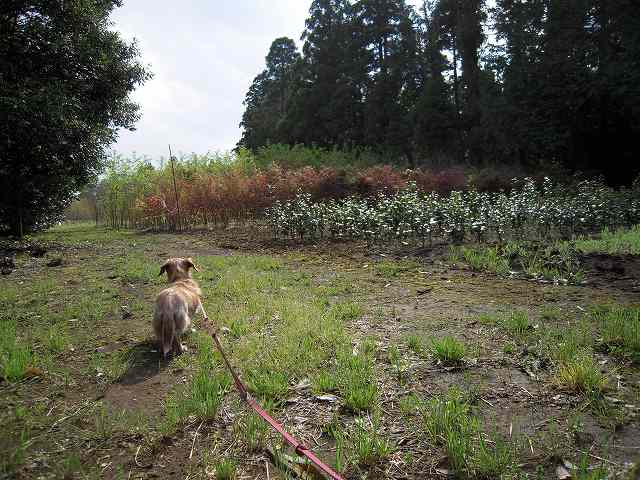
column 204, row 55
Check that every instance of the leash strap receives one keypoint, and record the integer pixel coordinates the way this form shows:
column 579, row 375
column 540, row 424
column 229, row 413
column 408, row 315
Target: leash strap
column 298, row 446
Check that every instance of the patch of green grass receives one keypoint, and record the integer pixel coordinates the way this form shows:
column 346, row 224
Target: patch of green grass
column 368, row 446
column 347, row 311
column 620, row 329
column 517, row 323
column 494, row 459
column 14, row 356
column 397, row 362
column 136, row 267
column 449, row 422
column 202, row 398
column 485, row 259
column 409, row 404
column 325, row 382
column 267, row 384
column 225, row 470
column 70, row 465
column 489, row 319
column 15, row 457
column 356, row 383
column 393, row 268
column 585, row 471
column 562, row 345
column 360, row 445
column 620, row 242
column 581, row 375
column 415, row 344
column 253, row 431
column 74, row 233
column 448, row 350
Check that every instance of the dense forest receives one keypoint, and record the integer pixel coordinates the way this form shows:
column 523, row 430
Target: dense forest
column 470, row 82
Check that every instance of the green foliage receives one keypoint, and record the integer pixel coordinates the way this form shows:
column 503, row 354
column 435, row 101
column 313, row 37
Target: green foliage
column 451, row 423
column 14, row 356
column 620, row 329
column 66, row 80
column 534, row 210
column 517, row 323
column 448, row 350
column 617, row 242
column 581, row 374
column 225, row 470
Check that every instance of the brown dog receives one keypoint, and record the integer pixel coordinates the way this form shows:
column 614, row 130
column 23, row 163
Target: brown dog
column 176, row 304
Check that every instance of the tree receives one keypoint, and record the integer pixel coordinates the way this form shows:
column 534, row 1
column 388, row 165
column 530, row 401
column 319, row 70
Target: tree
column 65, row 80
column 386, row 29
column 325, row 108
column 267, row 101
column 435, row 118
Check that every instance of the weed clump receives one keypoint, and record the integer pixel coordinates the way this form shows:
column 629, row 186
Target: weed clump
column 448, row 351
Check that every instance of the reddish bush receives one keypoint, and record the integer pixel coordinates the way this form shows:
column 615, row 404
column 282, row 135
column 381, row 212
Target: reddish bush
column 380, row 179
column 442, row 182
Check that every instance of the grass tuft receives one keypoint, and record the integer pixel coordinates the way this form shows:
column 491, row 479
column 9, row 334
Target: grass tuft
column 620, row 328
column 14, row 357
column 225, row 470
column 581, row 375
column 517, row 323
column 448, row 350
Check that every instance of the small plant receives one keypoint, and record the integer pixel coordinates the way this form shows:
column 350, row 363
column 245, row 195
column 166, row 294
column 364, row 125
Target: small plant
column 389, row 268
column 448, row 350
column 620, row 327
column 325, row 382
column 485, row 260
column 347, row 312
column 410, row 404
column 398, row 363
column 267, row 384
column 517, row 323
column 369, row 447
column 225, row 470
column 14, row 358
column 360, row 397
column 414, row 342
column 449, row 422
column 581, row 375
column 254, row 432
column 494, row 460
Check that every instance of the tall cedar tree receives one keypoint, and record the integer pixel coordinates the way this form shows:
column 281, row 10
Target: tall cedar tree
column 65, row 80
column 267, row 101
column 327, row 108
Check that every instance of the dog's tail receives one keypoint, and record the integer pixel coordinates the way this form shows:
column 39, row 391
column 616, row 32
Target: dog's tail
column 167, row 333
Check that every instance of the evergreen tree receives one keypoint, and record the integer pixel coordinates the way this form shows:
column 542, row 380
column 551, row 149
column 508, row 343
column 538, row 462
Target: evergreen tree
column 267, row 101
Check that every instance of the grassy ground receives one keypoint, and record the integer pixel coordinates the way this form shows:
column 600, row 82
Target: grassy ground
column 388, row 364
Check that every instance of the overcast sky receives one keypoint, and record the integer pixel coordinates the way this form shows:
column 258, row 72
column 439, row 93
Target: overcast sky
column 204, row 55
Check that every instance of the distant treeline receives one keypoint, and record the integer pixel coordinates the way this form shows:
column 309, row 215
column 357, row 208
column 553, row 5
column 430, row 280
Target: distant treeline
column 459, row 81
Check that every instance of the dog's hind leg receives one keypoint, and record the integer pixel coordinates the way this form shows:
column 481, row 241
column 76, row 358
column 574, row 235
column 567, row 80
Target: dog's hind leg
column 168, row 335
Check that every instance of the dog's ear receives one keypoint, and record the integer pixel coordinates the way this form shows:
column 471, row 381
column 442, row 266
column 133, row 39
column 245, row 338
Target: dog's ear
column 188, row 262
column 163, row 268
